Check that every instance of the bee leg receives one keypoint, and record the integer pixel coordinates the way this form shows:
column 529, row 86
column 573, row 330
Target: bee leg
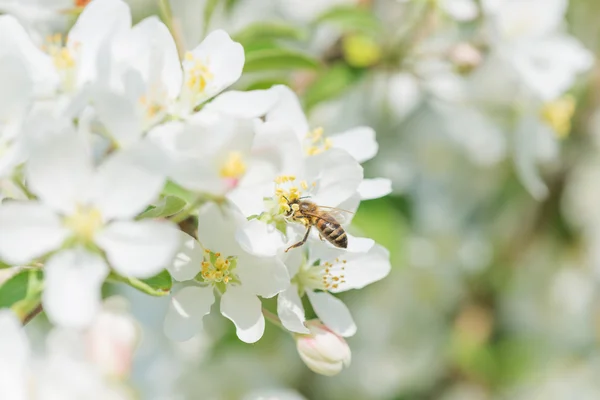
column 300, row 243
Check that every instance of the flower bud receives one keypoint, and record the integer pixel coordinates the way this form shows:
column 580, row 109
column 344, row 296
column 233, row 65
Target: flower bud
column 111, row 340
column 323, row 351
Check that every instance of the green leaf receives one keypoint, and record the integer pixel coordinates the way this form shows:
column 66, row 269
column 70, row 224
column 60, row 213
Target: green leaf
column 22, row 292
column 332, row 83
column 277, row 59
column 354, row 19
column 167, row 206
column 260, row 45
column 266, row 83
column 262, row 31
column 159, row 285
column 173, row 189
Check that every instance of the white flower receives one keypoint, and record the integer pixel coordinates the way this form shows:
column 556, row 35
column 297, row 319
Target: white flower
column 216, row 262
column 326, row 271
column 527, row 35
column 64, row 372
column 68, row 64
column 329, row 179
column 88, row 207
column 358, row 142
column 322, row 350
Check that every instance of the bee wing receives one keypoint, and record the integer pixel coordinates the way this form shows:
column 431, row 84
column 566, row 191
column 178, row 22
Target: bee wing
column 340, row 215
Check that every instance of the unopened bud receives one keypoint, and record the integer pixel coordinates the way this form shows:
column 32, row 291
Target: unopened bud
column 323, row 351
column 112, row 339
column 465, row 57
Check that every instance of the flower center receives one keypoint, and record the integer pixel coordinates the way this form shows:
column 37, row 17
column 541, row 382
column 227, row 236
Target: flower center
column 558, row 114
column 322, row 276
column 316, row 142
column 197, row 74
column 63, row 59
column 84, row 222
column 152, row 108
column 234, row 166
column 287, row 190
column 218, row 270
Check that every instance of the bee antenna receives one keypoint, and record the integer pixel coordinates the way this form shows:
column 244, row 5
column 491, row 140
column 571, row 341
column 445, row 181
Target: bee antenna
column 304, row 197
column 286, row 199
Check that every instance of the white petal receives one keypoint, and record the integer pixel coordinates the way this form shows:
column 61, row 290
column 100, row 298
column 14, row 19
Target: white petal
column 252, row 104
column 151, row 50
column 17, row 87
column 139, row 249
column 73, row 279
column 333, row 313
column 119, row 116
column 278, row 144
column 15, row 40
column 260, row 239
column 14, row 357
column 188, row 306
column 362, row 269
column 225, row 59
column 187, row 262
column 59, row 170
column 217, row 228
column 338, row 175
column 289, row 111
column 98, row 21
column 359, row 244
column 14, row 346
column 359, row 142
column 374, row 188
column 291, row 311
column 244, row 309
column 28, row 230
column 263, row 276
column 129, row 180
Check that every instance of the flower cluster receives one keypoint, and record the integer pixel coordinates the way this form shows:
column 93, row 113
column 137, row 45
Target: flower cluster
column 120, row 158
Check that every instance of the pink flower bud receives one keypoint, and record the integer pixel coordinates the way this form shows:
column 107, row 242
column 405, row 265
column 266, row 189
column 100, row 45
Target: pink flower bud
column 112, row 339
column 323, row 351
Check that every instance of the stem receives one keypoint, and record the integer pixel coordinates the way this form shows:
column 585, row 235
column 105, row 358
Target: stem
column 274, row 319
column 187, row 211
column 22, row 186
column 38, row 309
column 173, row 25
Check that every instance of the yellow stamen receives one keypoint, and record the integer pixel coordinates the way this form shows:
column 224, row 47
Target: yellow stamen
column 234, row 166
column 84, row 223
column 558, row 114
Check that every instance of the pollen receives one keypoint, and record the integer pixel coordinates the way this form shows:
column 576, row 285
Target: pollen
column 324, row 276
column 316, row 142
column 558, row 114
column 217, row 269
column 61, row 56
column 84, row 223
column 152, row 108
column 233, row 167
column 197, row 73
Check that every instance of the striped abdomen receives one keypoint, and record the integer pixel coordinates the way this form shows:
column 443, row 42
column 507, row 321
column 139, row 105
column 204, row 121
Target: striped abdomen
column 332, row 231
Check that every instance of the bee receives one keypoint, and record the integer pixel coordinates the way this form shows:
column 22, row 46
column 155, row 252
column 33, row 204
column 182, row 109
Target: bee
column 321, row 217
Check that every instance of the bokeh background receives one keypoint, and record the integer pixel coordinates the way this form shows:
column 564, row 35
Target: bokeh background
column 494, row 221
